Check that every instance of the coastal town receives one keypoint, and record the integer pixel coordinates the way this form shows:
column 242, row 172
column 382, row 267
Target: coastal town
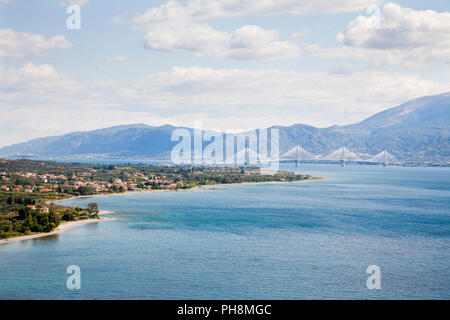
column 84, row 183
column 29, row 189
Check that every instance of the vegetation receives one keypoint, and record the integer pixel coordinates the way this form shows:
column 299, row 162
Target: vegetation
column 23, row 215
column 28, row 188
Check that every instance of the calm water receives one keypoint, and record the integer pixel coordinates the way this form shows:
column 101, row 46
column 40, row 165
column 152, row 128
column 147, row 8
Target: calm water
column 268, row 241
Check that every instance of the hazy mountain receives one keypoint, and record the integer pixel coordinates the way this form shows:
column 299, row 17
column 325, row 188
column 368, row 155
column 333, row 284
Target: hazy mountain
column 417, row 130
column 128, row 140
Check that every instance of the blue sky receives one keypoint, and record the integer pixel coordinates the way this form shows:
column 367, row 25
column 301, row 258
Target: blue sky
column 230, row 64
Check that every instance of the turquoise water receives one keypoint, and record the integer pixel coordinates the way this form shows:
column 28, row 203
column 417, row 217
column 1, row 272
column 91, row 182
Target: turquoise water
column 309, row 240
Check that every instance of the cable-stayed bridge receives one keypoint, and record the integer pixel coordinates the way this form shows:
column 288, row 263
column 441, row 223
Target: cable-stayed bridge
column 298, row 154
column 248, row 156
column 342, row 155
column 383, row 157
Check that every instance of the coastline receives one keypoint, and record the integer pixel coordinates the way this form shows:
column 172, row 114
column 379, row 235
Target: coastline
column 196, row 188
column 61, row 228
column 72, row 224
column 118, row 194
column 209, row 186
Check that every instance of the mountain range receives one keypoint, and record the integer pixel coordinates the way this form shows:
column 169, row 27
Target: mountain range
column 416, row 131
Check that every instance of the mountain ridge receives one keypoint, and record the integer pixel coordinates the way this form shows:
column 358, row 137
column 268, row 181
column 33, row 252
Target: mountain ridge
column 415, row 130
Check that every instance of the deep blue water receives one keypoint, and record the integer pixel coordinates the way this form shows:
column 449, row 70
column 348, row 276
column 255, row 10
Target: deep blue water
column 309, row 240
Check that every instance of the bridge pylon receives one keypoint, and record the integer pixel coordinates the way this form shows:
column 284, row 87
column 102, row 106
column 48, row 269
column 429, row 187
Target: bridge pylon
column 298, row 157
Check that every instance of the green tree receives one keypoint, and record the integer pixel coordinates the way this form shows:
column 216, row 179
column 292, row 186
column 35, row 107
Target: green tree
column 68, row 216
column 53, row 217
column 92, row 209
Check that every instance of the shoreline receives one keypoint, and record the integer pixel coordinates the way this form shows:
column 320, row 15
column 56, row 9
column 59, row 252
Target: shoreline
column 118, row 194
column 204, row 187
column 61, row 228
column 196, row 188
column 72, row 224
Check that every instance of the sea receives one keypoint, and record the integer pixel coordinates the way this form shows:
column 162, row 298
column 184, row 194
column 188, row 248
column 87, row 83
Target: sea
column 319, row 239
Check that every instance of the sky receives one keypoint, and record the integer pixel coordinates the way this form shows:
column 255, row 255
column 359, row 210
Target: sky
column 229, row 64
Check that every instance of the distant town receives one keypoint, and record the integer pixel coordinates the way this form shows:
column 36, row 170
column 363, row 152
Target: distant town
column 29, row 188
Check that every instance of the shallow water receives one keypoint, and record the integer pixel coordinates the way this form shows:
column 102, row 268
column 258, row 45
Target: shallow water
column 308, row 240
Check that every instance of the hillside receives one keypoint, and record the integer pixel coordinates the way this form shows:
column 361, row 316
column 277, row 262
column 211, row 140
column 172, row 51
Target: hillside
column 416, row 131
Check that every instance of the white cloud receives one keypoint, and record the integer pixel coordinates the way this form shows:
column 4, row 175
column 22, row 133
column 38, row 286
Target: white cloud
column 40, row 101
column 400, row 28
column 36, row 84
column 247, row 42
column 176, row 28
column 18, row 45
column 119, row 18
column 205, row 9
column 406, row 36
column 117, row 59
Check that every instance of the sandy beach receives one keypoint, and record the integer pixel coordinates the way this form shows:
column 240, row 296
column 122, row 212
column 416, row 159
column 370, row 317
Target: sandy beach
column 61, row 228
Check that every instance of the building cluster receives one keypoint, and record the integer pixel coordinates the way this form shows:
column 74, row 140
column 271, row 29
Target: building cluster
column 46, row 183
